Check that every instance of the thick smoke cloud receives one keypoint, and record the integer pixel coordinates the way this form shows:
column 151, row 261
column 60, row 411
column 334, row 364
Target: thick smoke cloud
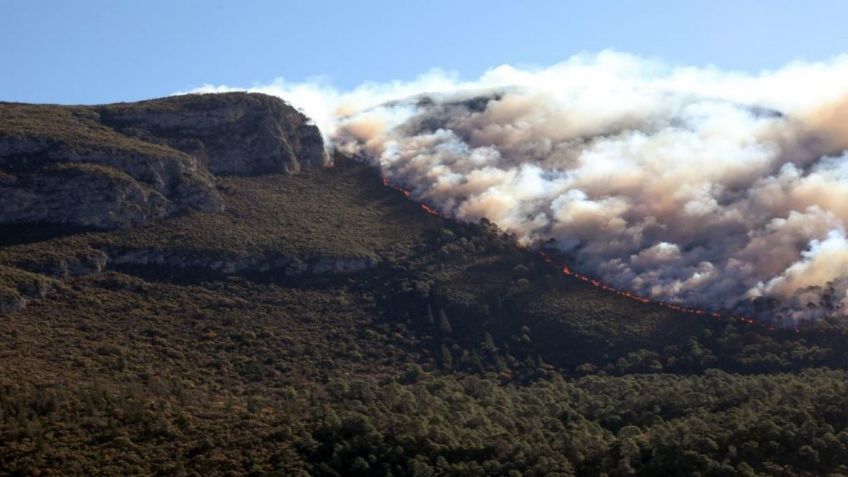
column 691, row 185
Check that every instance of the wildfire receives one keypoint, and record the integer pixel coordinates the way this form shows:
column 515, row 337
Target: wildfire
column 429, row 210
column 403, row 191
column 426, row 208
column 566, row 270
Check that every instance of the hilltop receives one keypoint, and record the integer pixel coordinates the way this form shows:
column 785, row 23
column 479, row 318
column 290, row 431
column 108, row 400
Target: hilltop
column 272, row 312
column 127, row 164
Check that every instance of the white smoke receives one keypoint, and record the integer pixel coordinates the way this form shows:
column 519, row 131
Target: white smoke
column 689, row 185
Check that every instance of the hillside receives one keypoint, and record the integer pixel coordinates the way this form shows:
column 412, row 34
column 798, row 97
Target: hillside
column 317, row 322
column 121, row 165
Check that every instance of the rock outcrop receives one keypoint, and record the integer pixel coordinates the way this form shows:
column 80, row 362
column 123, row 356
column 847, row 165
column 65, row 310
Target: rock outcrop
column 125, row 165
column 18, row 287
column 231, row 133
column 27, row 281
column 128, row 164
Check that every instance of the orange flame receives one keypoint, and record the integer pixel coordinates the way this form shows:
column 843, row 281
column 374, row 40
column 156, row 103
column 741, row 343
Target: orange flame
column 408, row 194
column 566, row 270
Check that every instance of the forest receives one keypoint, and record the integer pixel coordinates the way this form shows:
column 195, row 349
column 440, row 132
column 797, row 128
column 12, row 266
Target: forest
column 451, row 351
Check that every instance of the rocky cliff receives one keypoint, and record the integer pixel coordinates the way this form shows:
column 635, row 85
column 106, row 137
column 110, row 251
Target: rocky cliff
column 128, row 164
column 230, row 134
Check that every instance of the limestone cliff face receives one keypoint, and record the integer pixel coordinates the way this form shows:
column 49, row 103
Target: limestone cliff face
column 81, row 195
column 231, row 134
column 128, row 164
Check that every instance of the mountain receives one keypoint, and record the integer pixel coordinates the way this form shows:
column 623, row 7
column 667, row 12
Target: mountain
column 190, row 286
column 127, row 164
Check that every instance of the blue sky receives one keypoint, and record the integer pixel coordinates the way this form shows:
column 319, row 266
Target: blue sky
column 99, row 51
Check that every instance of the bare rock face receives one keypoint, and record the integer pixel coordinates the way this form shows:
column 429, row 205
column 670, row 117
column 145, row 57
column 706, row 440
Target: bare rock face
column 82, row 195
column 128, row 164
column 232, row 133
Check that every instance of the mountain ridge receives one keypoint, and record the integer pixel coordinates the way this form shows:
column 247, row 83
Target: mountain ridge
column 146, row 160
column 321, row 323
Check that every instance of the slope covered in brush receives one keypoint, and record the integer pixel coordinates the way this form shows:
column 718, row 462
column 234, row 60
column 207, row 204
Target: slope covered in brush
column 323, row 324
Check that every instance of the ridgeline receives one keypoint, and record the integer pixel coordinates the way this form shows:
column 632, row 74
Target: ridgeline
column 191, row 286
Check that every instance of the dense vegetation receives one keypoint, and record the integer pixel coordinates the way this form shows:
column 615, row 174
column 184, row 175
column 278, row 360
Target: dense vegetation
column 77, row 128
column 454, row 352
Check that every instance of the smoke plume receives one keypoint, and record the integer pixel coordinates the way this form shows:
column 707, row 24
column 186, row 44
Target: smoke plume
column 723, row 190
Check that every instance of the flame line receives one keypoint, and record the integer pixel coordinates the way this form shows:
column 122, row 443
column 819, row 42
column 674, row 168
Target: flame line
column 567, row 271
column 407, row 194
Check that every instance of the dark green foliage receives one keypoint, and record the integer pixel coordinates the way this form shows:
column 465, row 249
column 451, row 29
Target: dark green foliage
column 713, row 424
column 457, row 353
column 73, row 128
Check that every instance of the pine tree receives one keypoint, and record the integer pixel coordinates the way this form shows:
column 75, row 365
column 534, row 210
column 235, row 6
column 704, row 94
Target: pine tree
column 444, row 324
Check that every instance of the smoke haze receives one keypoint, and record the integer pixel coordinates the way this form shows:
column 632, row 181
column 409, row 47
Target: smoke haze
column 723, row 190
